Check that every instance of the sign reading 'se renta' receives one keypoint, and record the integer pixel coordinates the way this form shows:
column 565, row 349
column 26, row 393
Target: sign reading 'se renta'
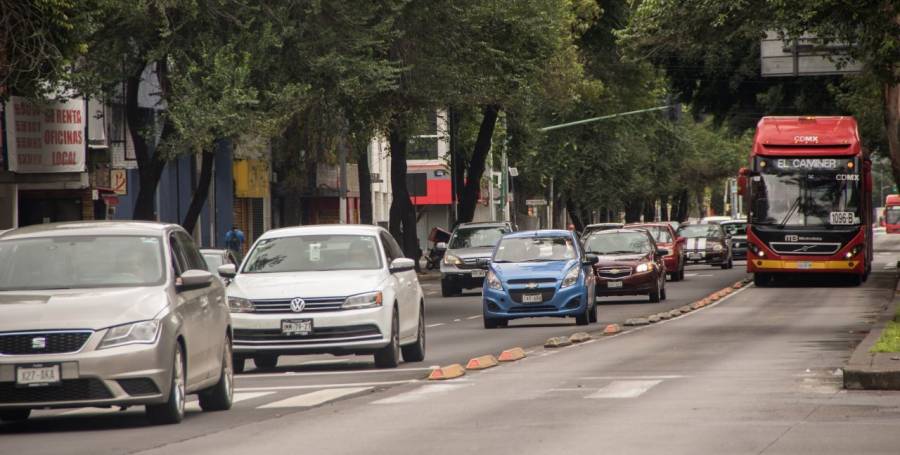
column 48, row 137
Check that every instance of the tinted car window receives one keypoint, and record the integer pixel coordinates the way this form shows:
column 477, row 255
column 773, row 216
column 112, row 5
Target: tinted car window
column 700, row 230
column 391, row 248
column 307, row 253
column 477, row 237
column 735, row 228
column 618, row 243
column 193, row 258
column 535, row 249
column 81, row 262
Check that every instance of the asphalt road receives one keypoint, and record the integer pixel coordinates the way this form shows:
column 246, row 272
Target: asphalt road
column 303, row 383
column 758, row 372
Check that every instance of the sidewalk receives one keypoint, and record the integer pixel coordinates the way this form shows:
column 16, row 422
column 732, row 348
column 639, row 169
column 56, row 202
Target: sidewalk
column 875, row 371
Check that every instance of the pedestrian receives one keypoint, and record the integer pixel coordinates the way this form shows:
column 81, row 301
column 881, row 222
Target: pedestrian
column 234, row 241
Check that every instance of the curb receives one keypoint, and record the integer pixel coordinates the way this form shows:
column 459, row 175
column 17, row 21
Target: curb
column 429, row 276
column 580, row 337
column 557, row 342
column 874, row 371
column 482, row 363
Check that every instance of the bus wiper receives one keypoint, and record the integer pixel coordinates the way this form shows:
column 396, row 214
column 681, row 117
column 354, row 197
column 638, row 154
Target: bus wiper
column 790, row 212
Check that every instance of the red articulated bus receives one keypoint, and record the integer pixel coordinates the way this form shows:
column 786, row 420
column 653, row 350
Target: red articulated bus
column 892, row 214
column 808, row 190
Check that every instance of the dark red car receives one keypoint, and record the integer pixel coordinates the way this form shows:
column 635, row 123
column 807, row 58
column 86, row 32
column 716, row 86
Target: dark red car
column 666, row 238
column 629, row 263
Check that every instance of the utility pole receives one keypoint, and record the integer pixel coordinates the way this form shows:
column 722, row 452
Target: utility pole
column 342, row 177
column 504, row 174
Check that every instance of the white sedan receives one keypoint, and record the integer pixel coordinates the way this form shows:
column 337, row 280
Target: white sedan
column 335, row 289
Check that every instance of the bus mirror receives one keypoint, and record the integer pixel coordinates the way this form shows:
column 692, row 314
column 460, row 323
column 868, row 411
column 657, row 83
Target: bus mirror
column 742, row 180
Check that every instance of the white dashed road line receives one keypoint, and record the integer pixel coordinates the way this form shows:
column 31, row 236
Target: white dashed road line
column 315, row 398
column 624, row 389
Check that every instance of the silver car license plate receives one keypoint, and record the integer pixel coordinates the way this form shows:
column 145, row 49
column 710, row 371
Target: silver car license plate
column 695, row 255
column 532, row 298
column 478, row 273
column 37, row 375
column 296, row 326
column 613, row 284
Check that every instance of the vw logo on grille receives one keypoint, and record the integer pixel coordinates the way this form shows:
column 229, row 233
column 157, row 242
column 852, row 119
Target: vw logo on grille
column 297, row 305
column 39, row 343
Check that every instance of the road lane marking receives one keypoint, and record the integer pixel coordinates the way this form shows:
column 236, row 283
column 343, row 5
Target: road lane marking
column 457, row 320
column 612, row 378
column 422, row 393
column 293, row 374
column 624, row 389
column 477, row 316
column 434, row 325
column 308, row 400
column 321, row 386
column 194, row 406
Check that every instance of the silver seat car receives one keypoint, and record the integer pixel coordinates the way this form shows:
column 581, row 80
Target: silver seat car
column 334, row 289
column 110, row 314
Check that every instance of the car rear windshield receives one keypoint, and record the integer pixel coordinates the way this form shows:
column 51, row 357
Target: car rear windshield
column 660, row 234
column 73, row 262
column 311, row 253
column 735, row 228
column 535, row 249
column 618, row 243
column 213, row 261
column 699, row 231
column 476, row 237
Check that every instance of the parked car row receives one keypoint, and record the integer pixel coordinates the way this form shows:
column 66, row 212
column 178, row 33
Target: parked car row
column 128, row 313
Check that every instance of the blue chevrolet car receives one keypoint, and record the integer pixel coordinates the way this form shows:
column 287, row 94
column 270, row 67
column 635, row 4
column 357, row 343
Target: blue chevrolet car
column 539, row 274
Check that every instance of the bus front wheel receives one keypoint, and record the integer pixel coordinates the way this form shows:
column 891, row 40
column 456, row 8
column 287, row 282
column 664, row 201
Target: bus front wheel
column 761, row 279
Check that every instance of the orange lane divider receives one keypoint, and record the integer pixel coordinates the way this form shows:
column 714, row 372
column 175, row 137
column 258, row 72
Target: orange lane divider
column 511, row 355
column 448, row 372
column 612, row 329
column 482, row 362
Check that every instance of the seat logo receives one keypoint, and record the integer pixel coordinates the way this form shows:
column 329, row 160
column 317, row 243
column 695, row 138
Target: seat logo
column 297, row 305
column 38, row 343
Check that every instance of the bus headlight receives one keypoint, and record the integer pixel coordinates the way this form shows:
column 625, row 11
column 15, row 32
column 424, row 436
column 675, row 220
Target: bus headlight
column 756, row 250
column 853, row 251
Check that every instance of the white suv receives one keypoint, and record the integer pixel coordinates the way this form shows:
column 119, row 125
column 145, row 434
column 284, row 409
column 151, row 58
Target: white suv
column 336, row 289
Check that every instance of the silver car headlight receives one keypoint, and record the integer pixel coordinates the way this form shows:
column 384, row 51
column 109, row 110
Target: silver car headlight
column 492, row 281
column 360, row 301
column 450, row 259
column 143, row 332
column 717, row 247
column 571, row 277
column 239, row 305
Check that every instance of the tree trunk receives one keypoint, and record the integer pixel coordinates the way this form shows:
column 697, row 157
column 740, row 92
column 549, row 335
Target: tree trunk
column 402, row 214
column 201, row 193
column 472, row 186
column 683, row 206
column 649, row 210
column 633, row 211
column 664, row 208
column 456, row 164
column 700, row 209
column 575, row 214
column 892, row 126
column 150, row 167
column 365, row 183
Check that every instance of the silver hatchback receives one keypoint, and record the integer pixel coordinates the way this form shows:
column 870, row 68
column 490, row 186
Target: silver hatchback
column 110, row 314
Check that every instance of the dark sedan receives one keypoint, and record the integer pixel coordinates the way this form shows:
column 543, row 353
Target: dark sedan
column 706, row 244
column 629, row 263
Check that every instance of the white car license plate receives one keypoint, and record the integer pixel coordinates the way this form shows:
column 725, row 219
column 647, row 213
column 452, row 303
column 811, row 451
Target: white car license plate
column 613, row 284
column 296, row 326
column 532, row 298
column 804, row 265
column 37, row 375
column 695, row 255
column 478, row 273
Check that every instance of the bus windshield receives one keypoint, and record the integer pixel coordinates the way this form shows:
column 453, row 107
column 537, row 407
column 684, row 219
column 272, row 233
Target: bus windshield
column 892, row 214
column 803, row 197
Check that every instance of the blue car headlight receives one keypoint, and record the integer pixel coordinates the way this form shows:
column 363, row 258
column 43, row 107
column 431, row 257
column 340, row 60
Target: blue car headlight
column 492, row 281
column 571, row 277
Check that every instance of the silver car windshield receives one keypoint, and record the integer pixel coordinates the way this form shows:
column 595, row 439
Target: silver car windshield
column 535, row 249
column 312, row 253
column 80, row 262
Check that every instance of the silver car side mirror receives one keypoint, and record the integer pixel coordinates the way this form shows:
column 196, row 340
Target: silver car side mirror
column 227, row 271
column 194, row 278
